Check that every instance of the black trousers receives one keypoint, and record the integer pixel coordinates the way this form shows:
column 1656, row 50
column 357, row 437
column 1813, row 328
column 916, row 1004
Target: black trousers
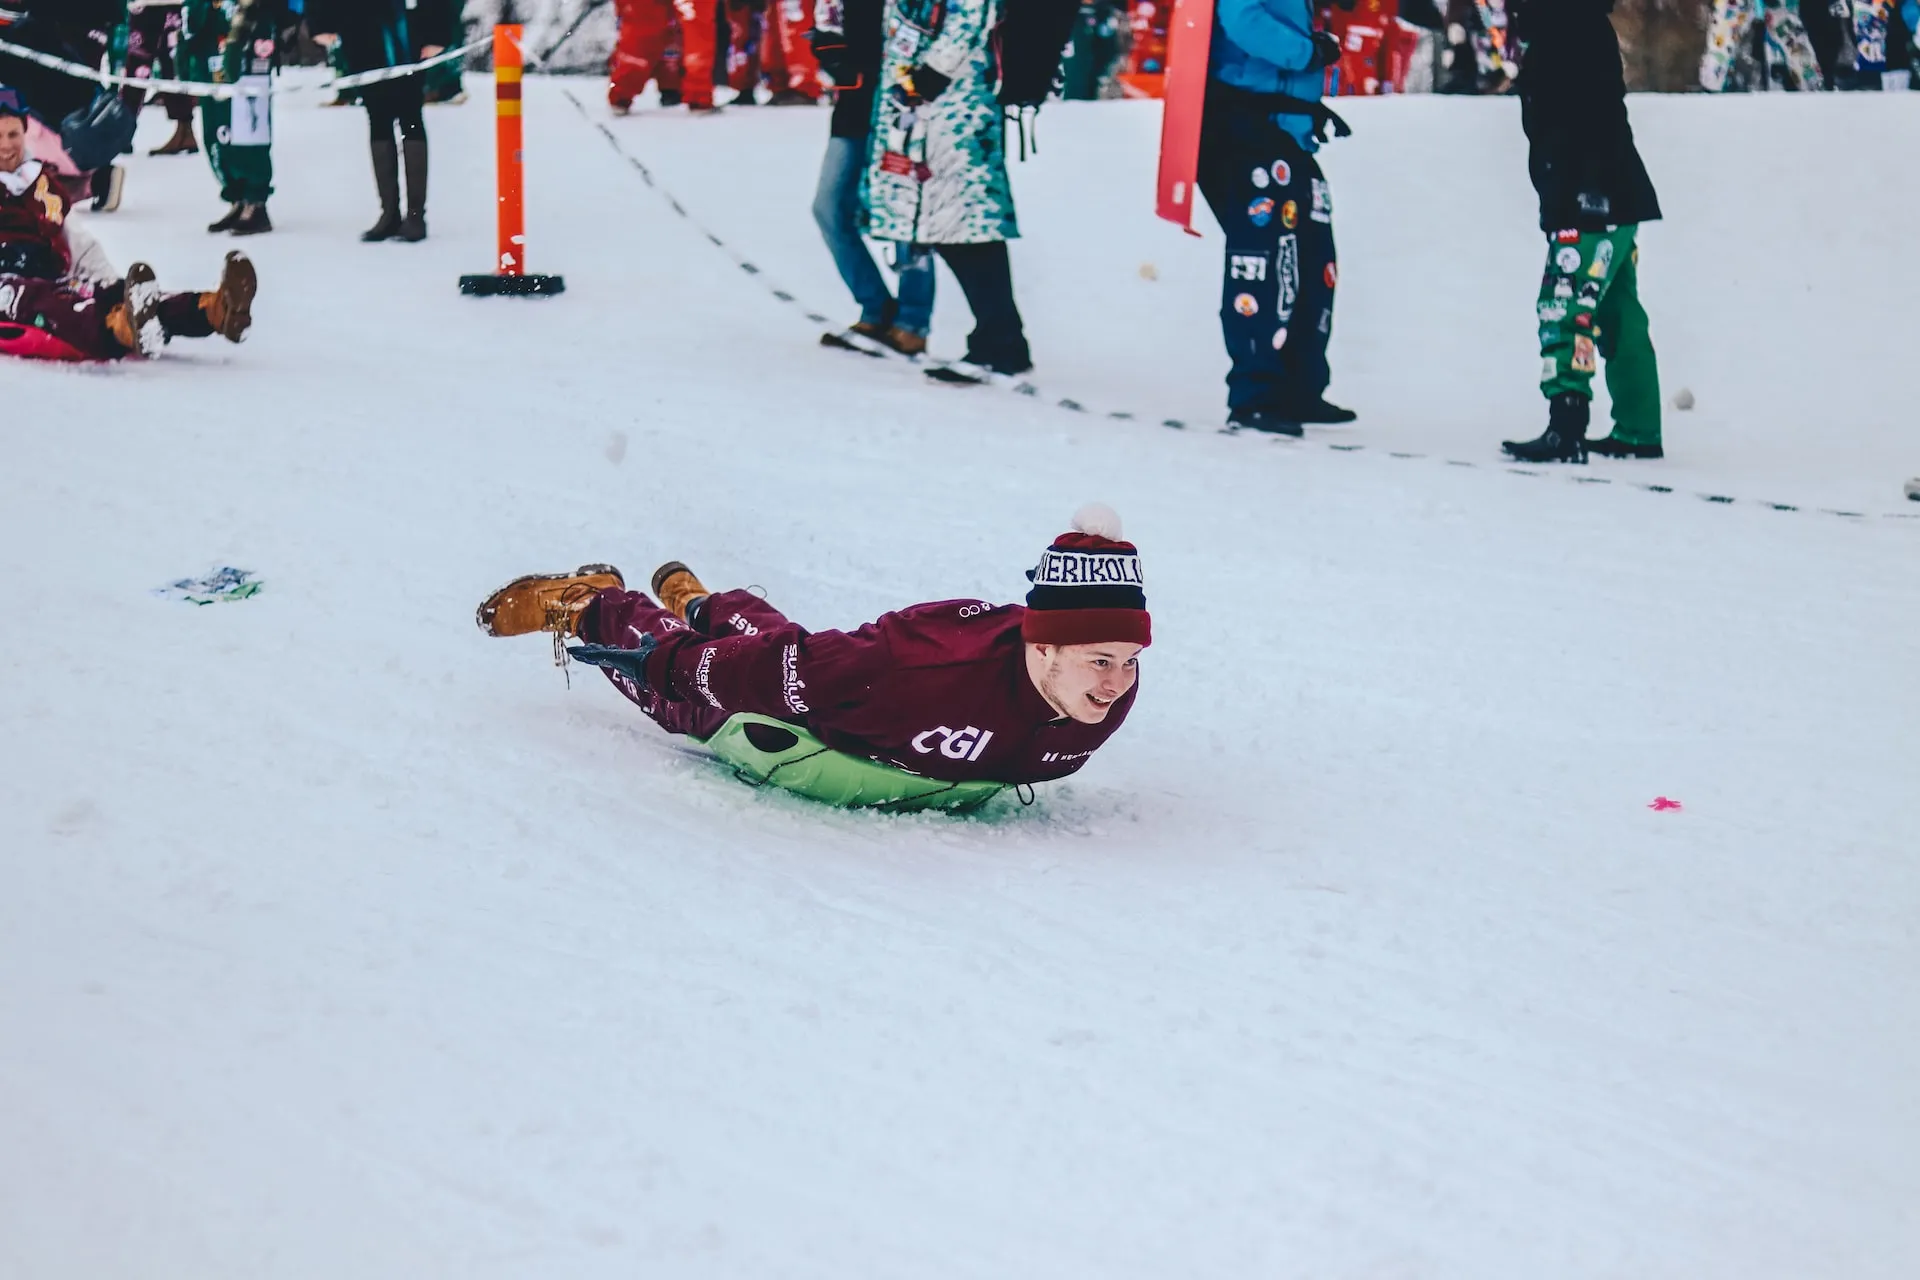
column 1278, row 281
column 998, row 340
column 394, row 104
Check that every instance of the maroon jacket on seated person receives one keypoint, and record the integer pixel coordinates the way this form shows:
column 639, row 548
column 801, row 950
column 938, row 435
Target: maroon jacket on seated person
column 939, row 690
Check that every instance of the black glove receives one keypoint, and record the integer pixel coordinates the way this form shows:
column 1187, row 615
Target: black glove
column 631, row 663
column 926, row 84
column 830, row 51
column 1326, row 51
column 26, row 258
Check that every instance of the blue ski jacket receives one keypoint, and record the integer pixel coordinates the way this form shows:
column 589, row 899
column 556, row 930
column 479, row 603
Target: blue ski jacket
column 1266, row 46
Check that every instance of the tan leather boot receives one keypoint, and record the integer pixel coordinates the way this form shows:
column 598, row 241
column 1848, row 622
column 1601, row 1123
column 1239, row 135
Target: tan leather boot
column 182, row 143
column 677, row 590
column 907, row 344
column 545, row 601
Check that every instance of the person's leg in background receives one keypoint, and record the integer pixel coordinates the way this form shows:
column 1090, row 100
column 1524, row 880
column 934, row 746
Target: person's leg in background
column 1581, row 266
column 382, row 119
column 1257, row 200
column 788, row 23
column 408, row 100
column 1306, row 324
column 671, row 70
column 838, row 213
column 914, row 264
column 746, row 48
column 152, row 34
column 698, row 44
column 631, row 67
column 1625, row 342
column 998, row 341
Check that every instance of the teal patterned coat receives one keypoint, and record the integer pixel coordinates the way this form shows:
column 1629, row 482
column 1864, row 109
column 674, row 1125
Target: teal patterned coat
column 937, row 172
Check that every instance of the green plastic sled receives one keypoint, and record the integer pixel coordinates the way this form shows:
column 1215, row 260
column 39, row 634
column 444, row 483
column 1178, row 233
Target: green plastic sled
column 765, row 752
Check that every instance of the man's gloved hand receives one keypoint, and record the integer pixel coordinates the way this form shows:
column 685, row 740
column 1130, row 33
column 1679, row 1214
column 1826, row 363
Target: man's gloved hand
column 830, row 51
column 631, row 663
column 1326, row 51
column 924, row 83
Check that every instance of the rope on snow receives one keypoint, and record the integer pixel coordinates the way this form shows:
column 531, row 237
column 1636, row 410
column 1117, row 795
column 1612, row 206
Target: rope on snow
column 1075, row 406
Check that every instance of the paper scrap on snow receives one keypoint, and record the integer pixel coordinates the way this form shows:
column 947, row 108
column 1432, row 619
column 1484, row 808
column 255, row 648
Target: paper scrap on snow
column 218, row 587
column 1661, row 803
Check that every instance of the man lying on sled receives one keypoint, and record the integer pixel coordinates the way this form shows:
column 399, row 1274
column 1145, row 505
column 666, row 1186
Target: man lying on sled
column 60, row 299
column 936, row 706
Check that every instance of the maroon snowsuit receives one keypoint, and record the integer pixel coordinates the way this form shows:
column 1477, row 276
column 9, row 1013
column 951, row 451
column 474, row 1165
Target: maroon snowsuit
column 45, row 315
column 67, row 319
column 940, row 690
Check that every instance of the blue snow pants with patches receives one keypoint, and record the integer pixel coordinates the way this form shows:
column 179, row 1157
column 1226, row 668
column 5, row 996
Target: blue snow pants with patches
column 1277, row 286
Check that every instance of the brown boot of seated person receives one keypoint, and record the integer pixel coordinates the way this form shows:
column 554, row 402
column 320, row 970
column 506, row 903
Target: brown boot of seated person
column 229, row 308
column 677, row 590
column 134, row 321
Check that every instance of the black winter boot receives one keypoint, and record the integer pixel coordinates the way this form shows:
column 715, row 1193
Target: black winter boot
column 1565, row 439
column 229, row 222
column 1274, row 422
column 386, row 180
column 413, row 228
column 1608, row 447
column 1319, row 412
column 253, row 221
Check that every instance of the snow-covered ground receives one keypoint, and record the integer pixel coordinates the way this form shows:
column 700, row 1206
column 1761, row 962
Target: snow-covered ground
column 337, row 940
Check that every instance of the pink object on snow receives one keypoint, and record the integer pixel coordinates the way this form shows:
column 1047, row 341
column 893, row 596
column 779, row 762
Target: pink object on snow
column 43, row 144
column 1661, row 803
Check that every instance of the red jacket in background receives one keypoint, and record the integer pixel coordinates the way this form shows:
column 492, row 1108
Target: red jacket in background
column 939, row 690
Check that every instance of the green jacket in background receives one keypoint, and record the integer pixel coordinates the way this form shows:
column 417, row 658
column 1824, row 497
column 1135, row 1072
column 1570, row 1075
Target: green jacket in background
column 223, row 42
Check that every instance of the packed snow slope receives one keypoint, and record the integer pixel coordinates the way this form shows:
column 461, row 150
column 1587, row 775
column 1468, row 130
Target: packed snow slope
column 338, row 940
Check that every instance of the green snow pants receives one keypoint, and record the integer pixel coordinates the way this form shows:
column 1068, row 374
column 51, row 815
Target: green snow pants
column 244, row 171
column 1590, row 312
column 768, row 752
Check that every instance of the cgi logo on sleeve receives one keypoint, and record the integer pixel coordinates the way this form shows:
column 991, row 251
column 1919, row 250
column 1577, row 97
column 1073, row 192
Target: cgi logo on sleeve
column 956, row 744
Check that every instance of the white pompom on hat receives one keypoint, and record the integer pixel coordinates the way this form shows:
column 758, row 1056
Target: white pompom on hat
column 1098, row 519
column 1088, row 587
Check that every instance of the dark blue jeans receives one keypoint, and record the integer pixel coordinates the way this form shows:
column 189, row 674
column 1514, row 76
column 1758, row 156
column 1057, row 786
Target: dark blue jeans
column 837, row 209
column 1277, row 285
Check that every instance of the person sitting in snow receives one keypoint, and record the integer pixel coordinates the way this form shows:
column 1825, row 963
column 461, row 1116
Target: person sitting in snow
column 939, row 705
column 59, row 296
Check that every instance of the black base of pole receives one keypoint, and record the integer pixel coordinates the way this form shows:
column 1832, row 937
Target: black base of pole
column 512, row 286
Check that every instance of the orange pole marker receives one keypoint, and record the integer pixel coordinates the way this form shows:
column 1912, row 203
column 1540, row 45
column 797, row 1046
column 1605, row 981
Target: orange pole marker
column 511, row 276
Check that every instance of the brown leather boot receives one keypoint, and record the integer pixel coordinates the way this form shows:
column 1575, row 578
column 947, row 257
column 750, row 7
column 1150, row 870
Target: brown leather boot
column 229, row 308
column 546, row 601
column 907, row 344
column 182, row 142
column 677, row 590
